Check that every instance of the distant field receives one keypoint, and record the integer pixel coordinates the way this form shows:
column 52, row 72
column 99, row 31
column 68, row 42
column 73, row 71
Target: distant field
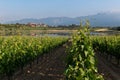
column 53, row 31
column 14, row 29
column 32, row 32
column 105, row 29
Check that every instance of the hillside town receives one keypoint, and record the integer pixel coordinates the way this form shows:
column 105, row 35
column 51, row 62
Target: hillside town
column 37, row 25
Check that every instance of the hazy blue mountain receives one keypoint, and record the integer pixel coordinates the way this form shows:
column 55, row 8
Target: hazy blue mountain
column 104, row 19
column 49, row 21
column 100, row 19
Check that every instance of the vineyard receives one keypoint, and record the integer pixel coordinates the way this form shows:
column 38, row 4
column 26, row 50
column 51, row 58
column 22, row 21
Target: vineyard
column 16, row 52
column 81, row 62
column 107, row 49
column 108, row 46
column 49, row 59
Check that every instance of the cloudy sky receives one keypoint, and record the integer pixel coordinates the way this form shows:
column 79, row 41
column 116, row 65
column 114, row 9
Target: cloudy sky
column 19, row 9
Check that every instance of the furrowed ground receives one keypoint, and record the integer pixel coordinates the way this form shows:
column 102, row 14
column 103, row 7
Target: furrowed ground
column 109, row 70
column 51, row 66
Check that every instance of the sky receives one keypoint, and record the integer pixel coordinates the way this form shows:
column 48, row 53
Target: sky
column 20, row 9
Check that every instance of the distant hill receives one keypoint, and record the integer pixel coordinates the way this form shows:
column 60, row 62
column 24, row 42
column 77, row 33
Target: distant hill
column 100, row 19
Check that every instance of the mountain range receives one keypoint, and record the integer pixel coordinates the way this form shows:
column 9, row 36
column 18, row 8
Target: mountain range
column 100, row 19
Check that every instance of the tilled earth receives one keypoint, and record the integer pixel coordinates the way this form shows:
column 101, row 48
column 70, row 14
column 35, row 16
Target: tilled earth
column 108, row 69
column 51, row 66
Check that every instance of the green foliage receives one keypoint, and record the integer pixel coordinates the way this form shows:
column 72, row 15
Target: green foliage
column 81, row 63
column 107, row 44
column 15, row 52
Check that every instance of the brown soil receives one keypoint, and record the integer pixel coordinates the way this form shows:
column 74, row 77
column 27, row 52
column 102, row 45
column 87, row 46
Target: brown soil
column 108, row 69
column 51, row 66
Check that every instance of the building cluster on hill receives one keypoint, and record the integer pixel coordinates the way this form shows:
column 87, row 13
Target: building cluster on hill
column 37, row 25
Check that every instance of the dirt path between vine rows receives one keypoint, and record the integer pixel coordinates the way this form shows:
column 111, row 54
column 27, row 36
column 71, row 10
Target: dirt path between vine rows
column 50, row 67
column 109, row 70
